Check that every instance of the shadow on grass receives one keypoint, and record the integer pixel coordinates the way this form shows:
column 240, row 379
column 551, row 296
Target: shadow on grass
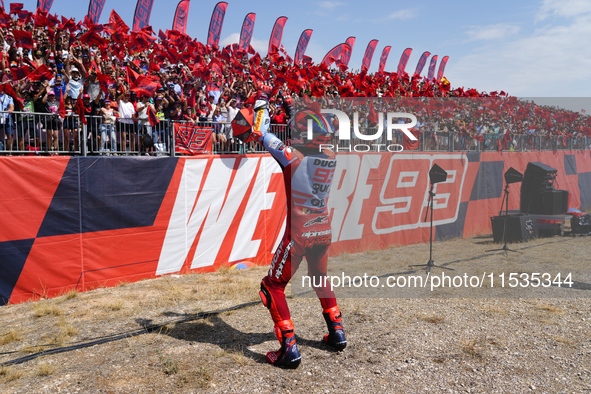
column 217, row 332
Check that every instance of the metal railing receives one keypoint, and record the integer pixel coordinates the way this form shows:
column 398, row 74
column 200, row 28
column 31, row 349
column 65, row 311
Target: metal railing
column 24, row 133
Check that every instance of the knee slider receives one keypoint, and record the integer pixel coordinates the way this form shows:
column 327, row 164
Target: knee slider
column 265, row 296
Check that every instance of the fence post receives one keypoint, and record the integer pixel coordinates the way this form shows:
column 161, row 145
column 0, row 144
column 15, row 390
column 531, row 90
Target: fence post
column 171, row 138
column 84, row 145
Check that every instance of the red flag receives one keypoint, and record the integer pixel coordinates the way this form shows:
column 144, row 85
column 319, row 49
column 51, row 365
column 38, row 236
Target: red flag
column 247, row 31
column 152, row 118
column 302, row 45
column 277, row 34
column 80, row 110
column 117, row 23
column 23, row 38
column 44, row 5
column 16, row 7
column 442, row 68
column 62, row 108
column 347, row 55
column 146, row 86
column 334, row 53
column 141, row 18
column 104, row 81
column 384, row 58
column 403, row 61
column 181, row 15
column 216, row 23
column 4, row 18
column 132, row 75
column 20, row 72
column 9, row 90
column 371, row 47
column 39, row 73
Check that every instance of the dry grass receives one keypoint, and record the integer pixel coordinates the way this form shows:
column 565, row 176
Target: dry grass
column 45, row 308
column 115, row 305
column 473, row 348
column 193, row 353
column 9, row 374
column 70, row 295
column 203, row 377
column 10, row 336
column 66, row 328
column 45, row 369
column 551, row 309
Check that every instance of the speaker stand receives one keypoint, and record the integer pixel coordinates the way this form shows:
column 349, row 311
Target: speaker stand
column 430, row 264
column 505, row 201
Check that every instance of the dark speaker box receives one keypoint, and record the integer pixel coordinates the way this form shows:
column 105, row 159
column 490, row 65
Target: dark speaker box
column 520, row 228
column 552, row 203
column 564, row 201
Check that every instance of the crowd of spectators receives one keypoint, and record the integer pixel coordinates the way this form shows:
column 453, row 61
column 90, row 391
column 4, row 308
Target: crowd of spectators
column 122, row 81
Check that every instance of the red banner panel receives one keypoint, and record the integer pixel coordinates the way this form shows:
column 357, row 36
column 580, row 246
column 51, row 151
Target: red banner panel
column 191, row 139
column 371, row 47
column 247, row 31
column 181, row 15
column 277, row 34
column 95, row 9
column 302, row 45
column 196, row 214
column 216, row 23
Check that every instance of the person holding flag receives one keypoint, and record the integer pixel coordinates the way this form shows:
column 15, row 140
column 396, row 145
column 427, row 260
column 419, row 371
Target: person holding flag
column 308, row 172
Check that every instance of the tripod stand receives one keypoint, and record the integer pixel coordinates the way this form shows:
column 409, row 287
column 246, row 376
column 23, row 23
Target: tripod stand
column 505, row 201
column 431, row 263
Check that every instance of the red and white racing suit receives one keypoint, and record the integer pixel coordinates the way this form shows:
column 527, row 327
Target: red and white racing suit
column 308, row 233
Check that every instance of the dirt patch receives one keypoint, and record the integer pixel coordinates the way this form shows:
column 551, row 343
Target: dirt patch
column 503, row 345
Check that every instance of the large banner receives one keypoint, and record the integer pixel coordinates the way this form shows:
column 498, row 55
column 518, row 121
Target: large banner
column 247, row 31
column 302, row 45
column 44, row 5
column 384, row 58
column 347, row 55
column 277, row 34
column 334, row 54
column 216, row 23
column 95, row 9
column 403, row 62
column 432, row 68
column 179, row 23
column 84, row 222
column 421, row 63
column 442, row 68
column 193, row 140
column 141, row 18
column 371, row 47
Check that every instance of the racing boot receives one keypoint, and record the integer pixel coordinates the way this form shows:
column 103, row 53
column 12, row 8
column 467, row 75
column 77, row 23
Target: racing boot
column 336, row 335
column 288, row 355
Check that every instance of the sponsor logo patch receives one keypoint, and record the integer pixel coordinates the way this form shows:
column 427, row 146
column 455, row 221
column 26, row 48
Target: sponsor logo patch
column 319, row 219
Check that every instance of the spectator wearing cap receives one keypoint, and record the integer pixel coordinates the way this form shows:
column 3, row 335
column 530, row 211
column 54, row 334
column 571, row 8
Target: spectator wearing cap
column 92, row 86
column 59, row 86
column 177, row 85
column 73, row 74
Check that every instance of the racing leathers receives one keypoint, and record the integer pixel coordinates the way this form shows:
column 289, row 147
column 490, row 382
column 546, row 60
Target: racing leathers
column 307, row 174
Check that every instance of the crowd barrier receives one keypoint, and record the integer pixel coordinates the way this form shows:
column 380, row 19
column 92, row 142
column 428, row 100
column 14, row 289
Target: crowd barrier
column 73, row 222
column 26, row 133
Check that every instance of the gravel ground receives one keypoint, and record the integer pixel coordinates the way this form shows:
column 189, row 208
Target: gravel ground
column 399, row 345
